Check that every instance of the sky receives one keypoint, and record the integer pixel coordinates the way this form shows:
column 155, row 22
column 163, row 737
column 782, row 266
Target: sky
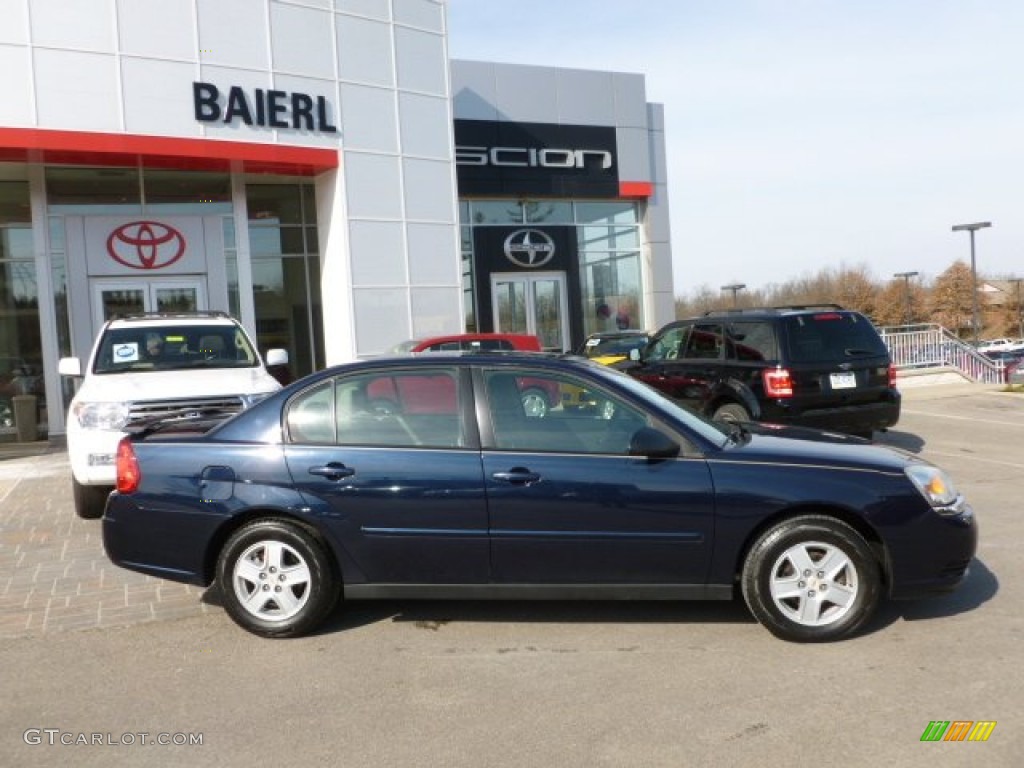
column 804, row 134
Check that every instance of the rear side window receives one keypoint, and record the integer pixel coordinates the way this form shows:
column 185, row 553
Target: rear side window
column 832, row 336
column 704, row 342
column 402, row 409
column 750, row 341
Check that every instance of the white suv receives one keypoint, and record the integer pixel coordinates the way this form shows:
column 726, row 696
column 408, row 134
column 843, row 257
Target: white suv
column 153, row 365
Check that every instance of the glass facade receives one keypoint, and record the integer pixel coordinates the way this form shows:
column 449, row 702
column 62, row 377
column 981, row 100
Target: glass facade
column 608, row 257
column 286, row 272
column 22, row 395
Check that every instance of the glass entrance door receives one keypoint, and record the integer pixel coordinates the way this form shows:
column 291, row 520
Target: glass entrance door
column 535, row 303
column 121, row 297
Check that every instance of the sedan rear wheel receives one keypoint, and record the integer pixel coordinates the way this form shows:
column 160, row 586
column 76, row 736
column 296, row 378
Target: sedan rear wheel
column 811, row 579
column 276, row 578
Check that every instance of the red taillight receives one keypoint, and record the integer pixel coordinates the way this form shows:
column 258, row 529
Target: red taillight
column 777, row 382
column 892, row 376
column 128, row 475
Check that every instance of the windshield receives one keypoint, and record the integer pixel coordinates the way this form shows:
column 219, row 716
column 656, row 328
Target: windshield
column 173, row 347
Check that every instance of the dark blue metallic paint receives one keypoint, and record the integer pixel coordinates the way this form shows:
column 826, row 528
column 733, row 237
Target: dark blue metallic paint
column 415, row 516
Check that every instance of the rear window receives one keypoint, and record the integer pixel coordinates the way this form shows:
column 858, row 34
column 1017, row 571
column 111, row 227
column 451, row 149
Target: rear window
column 832, row 336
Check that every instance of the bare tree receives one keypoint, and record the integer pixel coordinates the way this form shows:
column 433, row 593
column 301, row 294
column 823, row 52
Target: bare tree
column 951, row 302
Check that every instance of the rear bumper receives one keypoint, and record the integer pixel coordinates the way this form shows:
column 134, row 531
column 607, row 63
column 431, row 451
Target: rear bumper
column 861, row 417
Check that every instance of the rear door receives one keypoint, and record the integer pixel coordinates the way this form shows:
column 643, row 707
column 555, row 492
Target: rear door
column 390, row 461
column 685, row 363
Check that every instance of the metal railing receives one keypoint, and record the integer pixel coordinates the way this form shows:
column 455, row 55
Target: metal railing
column 915, row 347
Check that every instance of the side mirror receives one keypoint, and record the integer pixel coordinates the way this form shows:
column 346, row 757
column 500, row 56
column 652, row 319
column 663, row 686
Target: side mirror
column 634, row 355
column 276, row 357
column 653, row 444
column 69, row 366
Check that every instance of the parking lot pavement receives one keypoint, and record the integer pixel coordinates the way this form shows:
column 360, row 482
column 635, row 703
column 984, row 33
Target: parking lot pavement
column 54, row 575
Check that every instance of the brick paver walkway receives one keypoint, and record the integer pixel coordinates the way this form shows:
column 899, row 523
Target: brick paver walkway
column 54, row 575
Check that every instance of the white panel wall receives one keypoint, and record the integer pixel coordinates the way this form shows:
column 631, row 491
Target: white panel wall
column 399, row 173
column 16, row 104
column 302, row 41
column 164, row 29
column 77, row 91
column 15, row 22
column 82, row 24
column 150, row 110
column 233, row 33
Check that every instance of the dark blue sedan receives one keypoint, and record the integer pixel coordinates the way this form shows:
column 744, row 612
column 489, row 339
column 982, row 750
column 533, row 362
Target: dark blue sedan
column 424, row 477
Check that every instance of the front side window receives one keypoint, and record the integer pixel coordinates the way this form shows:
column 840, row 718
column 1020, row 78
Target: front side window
column 576, row 417
column 668, row 345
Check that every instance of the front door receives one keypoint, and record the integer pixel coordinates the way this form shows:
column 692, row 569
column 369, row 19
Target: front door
column 123, row 297
column 536, row 303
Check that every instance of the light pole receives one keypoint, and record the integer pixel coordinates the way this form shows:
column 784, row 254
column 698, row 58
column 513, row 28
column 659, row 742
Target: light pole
column 972, row 228
column 907, row 315
column 735, row 288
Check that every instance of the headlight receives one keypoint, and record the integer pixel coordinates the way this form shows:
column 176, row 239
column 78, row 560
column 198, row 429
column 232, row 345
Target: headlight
column 112, row 416
column 934, row 485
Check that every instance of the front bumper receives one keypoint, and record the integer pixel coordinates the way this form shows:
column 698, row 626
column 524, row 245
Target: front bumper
column 935, row 559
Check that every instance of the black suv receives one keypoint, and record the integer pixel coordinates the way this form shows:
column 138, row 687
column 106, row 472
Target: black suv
column 813, row 366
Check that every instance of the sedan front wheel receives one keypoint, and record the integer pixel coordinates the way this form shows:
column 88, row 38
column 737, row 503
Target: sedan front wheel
column 276, row 578
column 811, row 579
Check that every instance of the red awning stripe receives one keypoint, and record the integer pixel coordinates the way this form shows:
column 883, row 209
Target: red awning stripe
column 35, row 144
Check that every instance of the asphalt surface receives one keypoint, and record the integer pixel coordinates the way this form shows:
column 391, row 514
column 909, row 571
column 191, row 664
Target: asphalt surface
column 106, row 659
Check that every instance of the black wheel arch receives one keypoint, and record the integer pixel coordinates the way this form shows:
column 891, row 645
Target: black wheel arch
column 734, row 392
column 850, row 518
column 233, row 524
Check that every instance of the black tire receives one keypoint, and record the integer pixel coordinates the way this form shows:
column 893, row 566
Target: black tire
column 780, row 595
column 90, row 500
column 285, row 564
column 731, row 412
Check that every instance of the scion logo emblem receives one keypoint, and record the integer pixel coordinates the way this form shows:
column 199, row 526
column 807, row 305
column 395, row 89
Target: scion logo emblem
column 146, row 245
column 529, row 248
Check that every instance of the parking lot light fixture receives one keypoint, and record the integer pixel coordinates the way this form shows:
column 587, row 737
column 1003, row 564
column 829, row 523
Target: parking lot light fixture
column 972, row 228
column 735, row 288
column 907, row 313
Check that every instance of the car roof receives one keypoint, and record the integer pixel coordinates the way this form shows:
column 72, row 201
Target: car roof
column 794, row 309
column 149, row 319
column 522, row 338
column 618, row 334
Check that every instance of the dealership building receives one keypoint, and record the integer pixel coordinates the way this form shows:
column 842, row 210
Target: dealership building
column 320, row 169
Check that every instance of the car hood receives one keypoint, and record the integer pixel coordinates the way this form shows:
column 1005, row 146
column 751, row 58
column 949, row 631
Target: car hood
column 163, row 385
column 803, row 445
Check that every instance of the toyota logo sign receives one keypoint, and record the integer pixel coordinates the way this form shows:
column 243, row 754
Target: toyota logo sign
column 146, row 245
column 529, row 248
